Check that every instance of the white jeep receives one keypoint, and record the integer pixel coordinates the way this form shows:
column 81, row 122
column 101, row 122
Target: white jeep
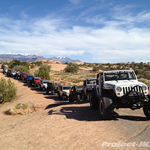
column 119, row 89
column 64, row 91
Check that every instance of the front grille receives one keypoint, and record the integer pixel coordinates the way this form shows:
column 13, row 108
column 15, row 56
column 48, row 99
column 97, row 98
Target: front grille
column 135, row 89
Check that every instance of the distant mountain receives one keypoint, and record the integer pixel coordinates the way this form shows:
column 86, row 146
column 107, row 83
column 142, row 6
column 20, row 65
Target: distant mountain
column 33, row 57
column 64, row 59
column 20, row 56
column 24, row 55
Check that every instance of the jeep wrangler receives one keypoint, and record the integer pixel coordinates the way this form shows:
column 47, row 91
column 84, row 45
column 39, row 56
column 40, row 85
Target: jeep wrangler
column 87, row 88
column 75, row 93
column 119, row 89
column 63, row 91
column 52, row 86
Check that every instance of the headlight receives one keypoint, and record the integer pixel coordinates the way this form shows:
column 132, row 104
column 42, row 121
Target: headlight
column 144, row 88
column 119, row 89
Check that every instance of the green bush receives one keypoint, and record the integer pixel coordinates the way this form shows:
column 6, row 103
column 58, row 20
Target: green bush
column 138, row 72
column 37, row 63
column 14, row 63
column 96, row 69
column 45, row 67
column 21, row 68
column 8, row 91
column 27, row 64
column 32, row 66
column 43, row 74
column 72, row 68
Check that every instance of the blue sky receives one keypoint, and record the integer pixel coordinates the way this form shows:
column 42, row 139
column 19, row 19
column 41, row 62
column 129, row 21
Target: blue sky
column 93, row 31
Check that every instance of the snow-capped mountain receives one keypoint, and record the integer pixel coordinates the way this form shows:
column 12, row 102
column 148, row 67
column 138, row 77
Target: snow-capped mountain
column 20, row 56
column 64, row 59
column 33, row 55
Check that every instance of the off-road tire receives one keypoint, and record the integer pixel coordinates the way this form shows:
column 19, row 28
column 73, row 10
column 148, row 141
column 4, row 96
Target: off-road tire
column 52, row 92
column 146, row 110
column 78, row 97
column 58, row 94
column 47, row 91
column 93, row 100
column 71, row 99
column 64, row 97
column 106, row 107
column 83, row 96
column 41, row 89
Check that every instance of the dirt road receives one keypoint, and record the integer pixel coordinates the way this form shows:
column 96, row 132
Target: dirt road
column 62, row 125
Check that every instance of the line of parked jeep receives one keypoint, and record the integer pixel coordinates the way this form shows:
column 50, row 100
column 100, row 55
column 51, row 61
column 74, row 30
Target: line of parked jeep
column 76, row 92
column 110, row 90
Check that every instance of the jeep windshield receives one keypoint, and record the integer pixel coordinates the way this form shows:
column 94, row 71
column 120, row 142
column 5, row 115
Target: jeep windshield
column 91, row 81
column 67, row 88
column 37, row 79
column 120, row 75
column 80, row 87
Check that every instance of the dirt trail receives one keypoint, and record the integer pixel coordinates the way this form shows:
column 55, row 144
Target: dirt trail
column 62, row 125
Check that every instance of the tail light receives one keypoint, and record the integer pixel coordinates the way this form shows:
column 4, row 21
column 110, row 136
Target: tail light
column 70, row 91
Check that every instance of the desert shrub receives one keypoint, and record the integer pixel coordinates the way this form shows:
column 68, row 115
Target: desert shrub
column 8, row 91
column 90, row 65
column 14, row 63
column 96, row 69
column 36, row 73
column 38, row 63
column 45, row 67
column 27, row 64
column 19, row 109
column 23, row 106
column 44, row 74
column 77, row 80
column 32, row 66
column 146, row 75
column 138, row 71
column 66, row 63
column 21, row 68
column 140, row 65
column 72, row 68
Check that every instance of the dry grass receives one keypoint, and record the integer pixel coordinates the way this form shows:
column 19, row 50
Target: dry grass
column 20, row 109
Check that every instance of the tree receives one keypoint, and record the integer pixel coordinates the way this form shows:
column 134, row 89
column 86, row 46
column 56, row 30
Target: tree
column 8, row 91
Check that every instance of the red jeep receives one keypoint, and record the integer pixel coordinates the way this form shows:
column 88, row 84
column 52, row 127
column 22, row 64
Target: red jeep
column 35, row 81
column 23, row 75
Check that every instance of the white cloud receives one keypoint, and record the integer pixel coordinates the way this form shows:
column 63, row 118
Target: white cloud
column 111, row 42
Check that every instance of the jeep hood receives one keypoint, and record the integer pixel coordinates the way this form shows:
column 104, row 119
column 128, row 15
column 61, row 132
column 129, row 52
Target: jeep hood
column 113, row 84
column 66, row 92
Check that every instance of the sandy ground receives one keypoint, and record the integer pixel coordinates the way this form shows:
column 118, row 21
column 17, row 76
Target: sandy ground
column 60, row 125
